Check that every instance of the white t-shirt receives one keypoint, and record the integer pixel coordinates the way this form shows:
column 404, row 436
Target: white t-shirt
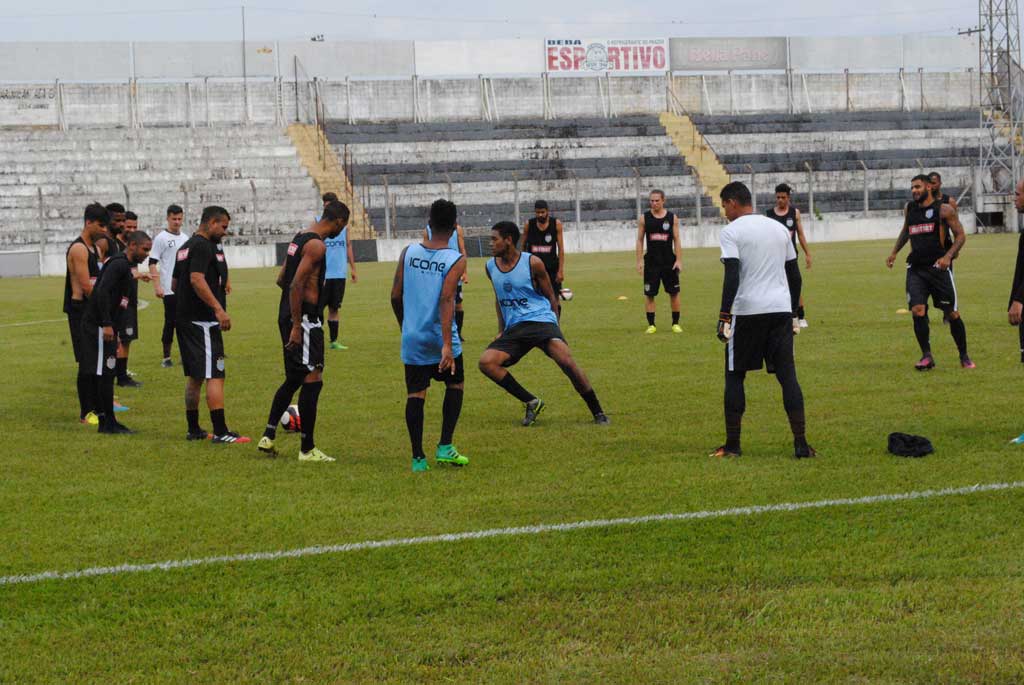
column 165, row 247
column 763, row 247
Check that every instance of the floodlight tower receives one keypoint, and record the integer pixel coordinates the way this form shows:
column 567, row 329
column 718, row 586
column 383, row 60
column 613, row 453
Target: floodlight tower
column 1002, row 105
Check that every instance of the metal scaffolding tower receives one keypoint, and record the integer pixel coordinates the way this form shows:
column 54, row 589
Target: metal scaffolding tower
column 1002, row 104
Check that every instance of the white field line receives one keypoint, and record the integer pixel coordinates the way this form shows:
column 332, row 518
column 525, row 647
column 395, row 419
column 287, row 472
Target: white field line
column 142, row 305
column 502, row 532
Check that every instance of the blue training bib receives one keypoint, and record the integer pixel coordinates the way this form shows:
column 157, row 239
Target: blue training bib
column 518, row 299
column 423, row 274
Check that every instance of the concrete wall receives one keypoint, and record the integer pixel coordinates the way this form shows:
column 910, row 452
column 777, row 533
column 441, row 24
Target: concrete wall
column 462, row 57
column 363, row 59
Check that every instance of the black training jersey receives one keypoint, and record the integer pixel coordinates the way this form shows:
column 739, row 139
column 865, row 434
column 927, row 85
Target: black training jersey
column 94, row 272
column 291, row 265
column 543, row 242
column 945, row 199
column 927, row 234
column 200, row 255
column 788, row 220
column 110, row 294
column 658, row 233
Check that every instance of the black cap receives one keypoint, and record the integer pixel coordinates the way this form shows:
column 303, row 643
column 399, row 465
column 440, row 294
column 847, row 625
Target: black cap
column 540, row 204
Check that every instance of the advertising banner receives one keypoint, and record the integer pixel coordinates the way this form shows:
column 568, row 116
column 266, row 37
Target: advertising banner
column 582, row 56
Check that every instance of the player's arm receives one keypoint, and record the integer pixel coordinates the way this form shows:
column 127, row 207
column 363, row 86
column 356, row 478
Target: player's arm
column 312, row 255
column 200, row 258
column 497, row 306
column 677, row 243
column 78, row 267
column 952, row 219
column 640, row 246
column 561, row 250
column 104, row 294
column 462, row 251
column 730, row 284
column 901, row 240
column 446, row 309
column 158, row 249
column 953, row 203
column 540, row 277
column 522, row 238
column 397, row 287
column 803, row 240
column 351, row 261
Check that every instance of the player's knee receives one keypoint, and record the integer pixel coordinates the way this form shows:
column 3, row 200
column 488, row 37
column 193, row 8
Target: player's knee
column 421, row 395
column 488, row 364
column 919, row 310
column 953, row 315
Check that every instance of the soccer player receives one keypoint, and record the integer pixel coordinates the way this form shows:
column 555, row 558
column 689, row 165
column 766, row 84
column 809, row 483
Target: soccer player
column 663, row 260
column 789, row 216
column 423, row 299
column 526, row 306
column 927, row 225
column 456, row 242
column 300, row 322
column 114, row 243
column 200, row 282
column 935, row 180
column 165, row 247
column 83, row 268
column 542, row 236
column 128, row 325
column 757, row 320
column 109, row 299
column 341, row 263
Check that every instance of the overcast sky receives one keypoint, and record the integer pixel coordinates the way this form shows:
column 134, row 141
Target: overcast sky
column 142, row 20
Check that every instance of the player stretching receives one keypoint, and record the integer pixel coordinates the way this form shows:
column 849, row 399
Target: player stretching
column 83, row 268
column 300, row 321
column 341, row 263
column 423, row 298
column 789, row 216
column 201, row 283
column 108, row 301
column 663, row 260
column 165, row 247
column 456, row 242
column 927, row 225
column 760, row 294
column 526, row 307
column 542, row 236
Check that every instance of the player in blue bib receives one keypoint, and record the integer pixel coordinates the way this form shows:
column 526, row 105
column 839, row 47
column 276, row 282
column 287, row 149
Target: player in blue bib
column 526, row 306
column 456, row 242
column 423, row 297
column 341, row 265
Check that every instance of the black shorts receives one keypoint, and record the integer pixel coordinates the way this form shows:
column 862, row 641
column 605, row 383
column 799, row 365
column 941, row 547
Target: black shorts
column 927, row 281
column 417, row 378
column 128, row 324
column 334, row 293
column 202, row 349
column 307, row 356
column 525, row 336
column 75, row 327
column 656, row 276
column 97, row 357
column 760, row 339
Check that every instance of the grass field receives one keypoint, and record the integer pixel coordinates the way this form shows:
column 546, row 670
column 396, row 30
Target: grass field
column 930, row 590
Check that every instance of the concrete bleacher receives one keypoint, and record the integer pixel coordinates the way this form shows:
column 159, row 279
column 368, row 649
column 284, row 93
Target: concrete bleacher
column 479, row 163
column 894, row 146
column 189, row 167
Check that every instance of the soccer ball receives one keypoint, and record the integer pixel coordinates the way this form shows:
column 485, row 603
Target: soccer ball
column 290, row 419
column 566, row 294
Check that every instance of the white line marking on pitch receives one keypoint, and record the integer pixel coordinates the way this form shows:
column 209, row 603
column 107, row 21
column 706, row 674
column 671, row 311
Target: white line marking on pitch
column 142, row 305
column 502, row 532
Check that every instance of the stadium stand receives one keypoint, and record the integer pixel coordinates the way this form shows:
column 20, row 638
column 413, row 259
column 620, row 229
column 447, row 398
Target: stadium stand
column 894, row 146
column 548, row 157
column 159, row 166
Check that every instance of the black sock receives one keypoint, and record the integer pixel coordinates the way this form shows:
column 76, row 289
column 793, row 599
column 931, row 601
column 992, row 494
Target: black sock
column 513, row 388
column 85, row 394
column 308, row 399
column 800, row 312
column 282, row 398
column 590, row 397
column 798, row 424
column 650, row 318
column 733, row 427
column 675, row 318
column 192, row 416
column 450, row 411
column 959, row 333
column 921, row 331
column 105, row 387
column 459, row 316
column 167, row 350
column 121, row 368
column 414, row 422
column 220, row 426
column 333, row 325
